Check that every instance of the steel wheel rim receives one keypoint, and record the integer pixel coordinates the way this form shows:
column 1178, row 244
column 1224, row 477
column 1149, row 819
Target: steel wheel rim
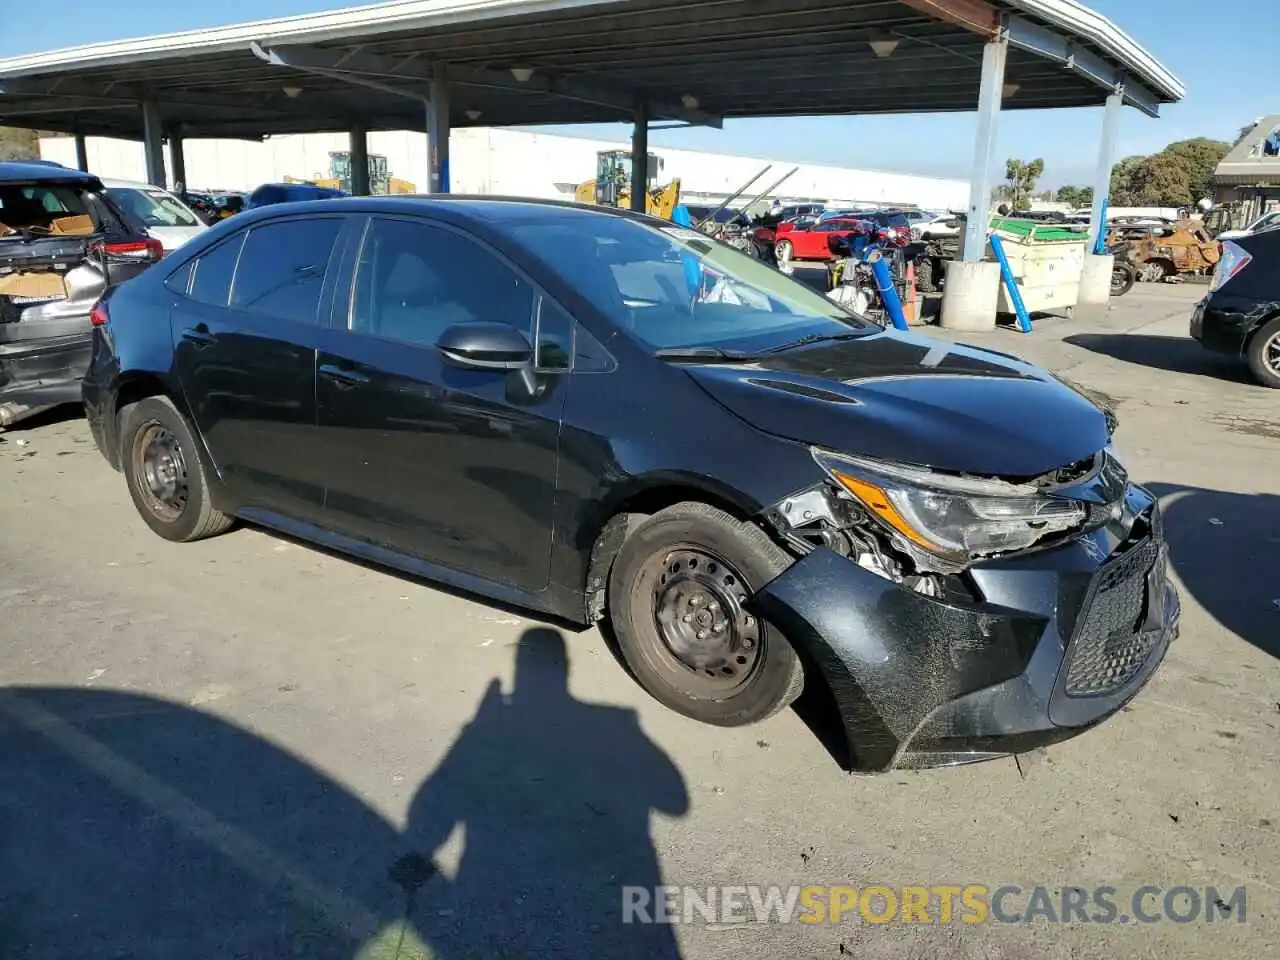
column 1271, row 353
column 160, row 471
column 708, row 644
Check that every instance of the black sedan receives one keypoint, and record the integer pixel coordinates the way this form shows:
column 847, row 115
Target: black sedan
column 601, row 416
column 1241, row 315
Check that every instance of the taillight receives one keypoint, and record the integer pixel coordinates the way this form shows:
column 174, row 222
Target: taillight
column 1234, row 259
column 148, row 249
column 98, row 316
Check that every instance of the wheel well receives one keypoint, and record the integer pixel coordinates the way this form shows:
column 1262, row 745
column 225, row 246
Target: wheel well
column 139, row 386
column 630, row 511
column 1257, row 329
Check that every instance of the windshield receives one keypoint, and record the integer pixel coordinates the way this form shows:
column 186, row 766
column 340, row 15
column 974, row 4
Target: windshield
column 676, row 288
column 154, row 208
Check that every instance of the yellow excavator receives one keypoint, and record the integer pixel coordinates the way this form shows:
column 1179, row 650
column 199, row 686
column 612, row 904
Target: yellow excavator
column 612, row 185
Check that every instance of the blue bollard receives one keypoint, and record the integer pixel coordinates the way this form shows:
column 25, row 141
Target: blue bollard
column 888, row 292
column 1011, row 285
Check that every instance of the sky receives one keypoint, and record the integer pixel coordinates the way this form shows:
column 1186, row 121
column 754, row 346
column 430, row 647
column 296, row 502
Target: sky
column 1226, row 88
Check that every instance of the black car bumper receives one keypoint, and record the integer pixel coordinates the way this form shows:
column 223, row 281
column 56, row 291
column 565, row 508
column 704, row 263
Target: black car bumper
column 1061, row 640
column 1224, row 324
column 41, row 365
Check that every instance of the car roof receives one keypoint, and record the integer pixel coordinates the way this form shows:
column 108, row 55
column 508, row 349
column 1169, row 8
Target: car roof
column 16, row 171
column 490, row 210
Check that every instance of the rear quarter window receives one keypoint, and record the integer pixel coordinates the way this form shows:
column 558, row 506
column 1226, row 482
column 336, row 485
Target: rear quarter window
column 214, row 270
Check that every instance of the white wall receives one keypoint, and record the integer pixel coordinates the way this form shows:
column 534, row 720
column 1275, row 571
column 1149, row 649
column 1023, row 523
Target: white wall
column 512, row 162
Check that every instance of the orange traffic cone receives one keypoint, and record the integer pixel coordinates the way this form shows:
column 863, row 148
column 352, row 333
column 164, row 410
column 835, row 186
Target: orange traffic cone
column 910, row 308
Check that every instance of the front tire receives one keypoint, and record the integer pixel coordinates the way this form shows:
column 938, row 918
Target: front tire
column 679, row 594
column 784, row 251
column 166, row 477
column 1263, row 354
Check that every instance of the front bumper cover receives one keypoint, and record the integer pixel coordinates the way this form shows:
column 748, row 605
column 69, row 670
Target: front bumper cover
column 1061, row 639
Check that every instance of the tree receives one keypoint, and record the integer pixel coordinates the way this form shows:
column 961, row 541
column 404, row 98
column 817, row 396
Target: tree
column 1161, row 180
column 1122, row 181
column 1022, row 179
column 1178, row 176
column 1075, row 196
column 19, row 144
column 1201, row 156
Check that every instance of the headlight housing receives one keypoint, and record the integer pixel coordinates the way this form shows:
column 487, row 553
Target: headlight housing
column 949, row 519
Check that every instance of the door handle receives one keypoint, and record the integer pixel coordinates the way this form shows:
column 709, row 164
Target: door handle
column 342, row 376
column 198, row 336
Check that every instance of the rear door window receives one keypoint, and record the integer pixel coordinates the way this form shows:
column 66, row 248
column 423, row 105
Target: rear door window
column 214, row 271
column 282, row 268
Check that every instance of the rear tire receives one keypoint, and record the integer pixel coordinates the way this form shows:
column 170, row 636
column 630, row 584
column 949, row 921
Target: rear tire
column 165, row 473
column 678, row 596
column 1123, row 278
column 1263, row 354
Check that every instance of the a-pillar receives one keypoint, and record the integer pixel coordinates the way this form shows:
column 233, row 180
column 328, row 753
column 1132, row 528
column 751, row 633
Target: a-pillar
column 359, row 142
column 82, row 153
column 438, row 136
column 972, row 290
column 640, row 158
column 153, row 143
column 1095, row 279
column 178, row 159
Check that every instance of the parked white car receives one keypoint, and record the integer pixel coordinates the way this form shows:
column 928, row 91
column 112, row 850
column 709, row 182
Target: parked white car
column 166, row 218
column 1264, row 222
column 942, row 225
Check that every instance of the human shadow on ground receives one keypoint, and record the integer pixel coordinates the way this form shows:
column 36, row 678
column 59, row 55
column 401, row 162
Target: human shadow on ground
column 135, row 827
column 1173, row 354
column 1225, row 548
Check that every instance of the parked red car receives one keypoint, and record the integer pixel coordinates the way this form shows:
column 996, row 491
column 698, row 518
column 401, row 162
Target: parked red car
column 800, row 240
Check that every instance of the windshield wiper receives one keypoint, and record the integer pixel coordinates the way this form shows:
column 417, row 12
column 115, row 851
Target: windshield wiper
column 703, row 355
column 809, row 338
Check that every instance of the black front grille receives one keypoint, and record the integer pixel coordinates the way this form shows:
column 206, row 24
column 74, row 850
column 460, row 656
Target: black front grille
column 1110, row 646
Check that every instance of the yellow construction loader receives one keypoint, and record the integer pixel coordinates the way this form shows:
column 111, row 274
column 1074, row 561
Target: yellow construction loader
column 380, row 181
column 612, row 185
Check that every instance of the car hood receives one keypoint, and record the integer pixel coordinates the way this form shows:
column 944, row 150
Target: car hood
column 910, row 399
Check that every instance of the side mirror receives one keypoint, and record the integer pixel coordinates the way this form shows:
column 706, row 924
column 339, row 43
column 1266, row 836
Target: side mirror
column 485, row 346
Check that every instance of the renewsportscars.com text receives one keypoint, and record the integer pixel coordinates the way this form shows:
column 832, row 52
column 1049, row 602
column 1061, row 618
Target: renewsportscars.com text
column 932, row 904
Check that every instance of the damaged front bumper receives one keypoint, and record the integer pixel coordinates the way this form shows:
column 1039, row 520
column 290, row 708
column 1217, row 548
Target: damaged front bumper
column 1057, row 641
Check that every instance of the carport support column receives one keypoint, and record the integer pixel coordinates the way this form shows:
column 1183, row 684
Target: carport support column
column 153, row 143
column 178, row 159
column 640, row 158
column 359, row 162
column 1095, row 274
column 989, row 96
column 438, row 136
column 1106, row 157
column 82, row 153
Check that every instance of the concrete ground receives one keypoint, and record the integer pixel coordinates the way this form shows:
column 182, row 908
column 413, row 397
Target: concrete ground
column 248, row 748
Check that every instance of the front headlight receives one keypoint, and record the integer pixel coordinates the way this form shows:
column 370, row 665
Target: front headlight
column 955, row 519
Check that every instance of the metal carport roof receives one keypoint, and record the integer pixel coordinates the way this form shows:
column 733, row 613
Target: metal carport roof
column 519, row 62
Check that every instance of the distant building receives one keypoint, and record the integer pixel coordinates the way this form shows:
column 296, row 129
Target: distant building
column 1248, row 178
column 514, row 163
